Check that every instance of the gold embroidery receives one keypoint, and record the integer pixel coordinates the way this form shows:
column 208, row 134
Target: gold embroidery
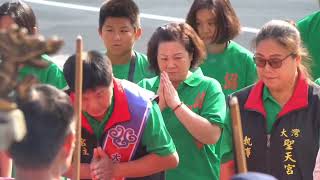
column 295, row 132
column 284, row 133
column 247, row 146
column 247, row 141
column 84, row 149
column 289, row 168
column 288, row 144
column 289, row 157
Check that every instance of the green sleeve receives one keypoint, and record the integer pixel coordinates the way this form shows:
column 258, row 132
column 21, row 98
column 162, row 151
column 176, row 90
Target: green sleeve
column 251, row 75
column 303, row 26
column 53, row 74
column 214, row 104
column 226, row 142
column 156, row 137
column 55, row 77
column 317, row 81
column 150, row 84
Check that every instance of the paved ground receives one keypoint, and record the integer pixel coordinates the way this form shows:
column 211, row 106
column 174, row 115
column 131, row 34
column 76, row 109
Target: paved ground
column 68, row 18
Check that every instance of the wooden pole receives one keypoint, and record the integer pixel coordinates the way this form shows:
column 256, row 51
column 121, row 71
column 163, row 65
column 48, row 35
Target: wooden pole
column 77, row 108
column 238, row 135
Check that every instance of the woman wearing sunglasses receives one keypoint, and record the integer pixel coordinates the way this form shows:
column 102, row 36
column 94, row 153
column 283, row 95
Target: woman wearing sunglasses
column 280, row 113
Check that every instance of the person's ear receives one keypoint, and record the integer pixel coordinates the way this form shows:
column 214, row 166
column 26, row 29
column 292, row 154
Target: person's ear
column 69, row 144
column 191, row 56
column 34, row 30
column 100, row 32
column 138, row 33
column 298, row 59
column 112, row 84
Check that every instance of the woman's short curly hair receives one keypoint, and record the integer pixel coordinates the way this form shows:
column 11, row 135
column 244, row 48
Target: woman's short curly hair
column 178, row 32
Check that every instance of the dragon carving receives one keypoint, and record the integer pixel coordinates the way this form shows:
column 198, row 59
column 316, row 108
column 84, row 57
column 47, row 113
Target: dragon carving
column 18, row 48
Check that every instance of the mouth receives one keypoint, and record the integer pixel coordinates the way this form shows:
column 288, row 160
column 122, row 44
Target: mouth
column 206, row 36
column 116, row 45
column 270, row 78
column 171, row 72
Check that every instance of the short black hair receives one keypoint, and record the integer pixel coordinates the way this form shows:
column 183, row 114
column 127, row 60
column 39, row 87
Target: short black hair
column 176, row 32
column 21, row 13
column 48, row 114
column 97, row 71
column 120, row 8
column 227, row 22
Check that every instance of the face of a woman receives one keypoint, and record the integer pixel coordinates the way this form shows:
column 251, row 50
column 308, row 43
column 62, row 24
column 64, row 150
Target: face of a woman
column 174, row 59
column 276, row 78
column 206, row 25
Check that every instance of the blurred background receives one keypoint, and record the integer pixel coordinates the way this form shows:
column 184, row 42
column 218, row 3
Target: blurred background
column 68, row 18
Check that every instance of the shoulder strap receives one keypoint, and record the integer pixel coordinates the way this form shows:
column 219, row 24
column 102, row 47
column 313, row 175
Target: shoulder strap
column 132, row 67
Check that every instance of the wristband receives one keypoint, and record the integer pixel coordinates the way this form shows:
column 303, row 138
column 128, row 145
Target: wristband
column 179, row 105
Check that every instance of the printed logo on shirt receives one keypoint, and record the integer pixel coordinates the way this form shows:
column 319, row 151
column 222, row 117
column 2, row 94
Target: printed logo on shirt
column 231, row 81
column 122, row 137
column 198, row 101
column 116, row 157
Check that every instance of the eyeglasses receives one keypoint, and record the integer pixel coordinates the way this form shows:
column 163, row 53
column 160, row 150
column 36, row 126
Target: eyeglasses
column 275, row 63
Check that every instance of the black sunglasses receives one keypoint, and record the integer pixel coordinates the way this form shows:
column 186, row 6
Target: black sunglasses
column 275, row 63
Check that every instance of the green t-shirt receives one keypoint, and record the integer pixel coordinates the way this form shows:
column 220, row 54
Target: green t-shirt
column 203, row 95
column 309, row 28
column 141, row 69
column 272, row 108
column 317, row 81
column 50, row 75
column 234, row 68
column 155, row 137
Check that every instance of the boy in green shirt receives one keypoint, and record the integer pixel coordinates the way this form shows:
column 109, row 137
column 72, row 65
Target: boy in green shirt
column 123, row 133
column 119, row 28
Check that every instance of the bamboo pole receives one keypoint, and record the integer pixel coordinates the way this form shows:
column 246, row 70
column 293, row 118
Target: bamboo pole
column 238, row 135
column 77, row 108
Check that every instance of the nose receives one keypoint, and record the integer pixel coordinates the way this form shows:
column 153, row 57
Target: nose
column 116, row 36
column 267, row 67
column 205, row 28
column 171, row 63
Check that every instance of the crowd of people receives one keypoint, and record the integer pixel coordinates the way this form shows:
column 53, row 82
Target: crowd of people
column 165, row 114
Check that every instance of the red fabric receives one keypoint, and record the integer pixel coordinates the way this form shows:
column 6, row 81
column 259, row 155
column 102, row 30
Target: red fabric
column 121, row 111
column 298, row 100
column 254, row 101
column 227, row 170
